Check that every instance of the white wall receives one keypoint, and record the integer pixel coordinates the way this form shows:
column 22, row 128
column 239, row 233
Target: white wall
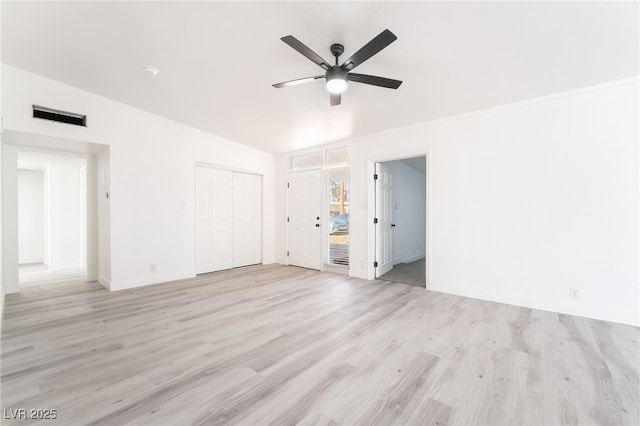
column 10, row 219
column 282, row 167
column 67, row 213
column 526, row 201
column 2, row 286
column 152, row 163
column 31, row 217
column 104, row 218
column 409, row 215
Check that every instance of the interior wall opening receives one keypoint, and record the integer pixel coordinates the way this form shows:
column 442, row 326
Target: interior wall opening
column 401, row 216
column 52, row 212
column 56, row 211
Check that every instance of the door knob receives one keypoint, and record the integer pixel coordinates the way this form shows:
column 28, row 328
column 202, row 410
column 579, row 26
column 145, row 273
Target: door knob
column 393, row 225
column 317, row 225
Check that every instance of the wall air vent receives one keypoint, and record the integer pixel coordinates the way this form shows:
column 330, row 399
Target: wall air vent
column 59, row 116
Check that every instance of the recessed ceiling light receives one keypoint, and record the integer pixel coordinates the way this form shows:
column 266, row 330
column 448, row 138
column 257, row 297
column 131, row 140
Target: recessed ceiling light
column 151, row 70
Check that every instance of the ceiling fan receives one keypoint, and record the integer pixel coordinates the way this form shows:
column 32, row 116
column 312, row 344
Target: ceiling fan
column 336, row 75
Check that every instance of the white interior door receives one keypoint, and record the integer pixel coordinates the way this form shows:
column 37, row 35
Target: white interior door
column 384, row 213
column 305, row 201
column 213, row 220
column 247, row 219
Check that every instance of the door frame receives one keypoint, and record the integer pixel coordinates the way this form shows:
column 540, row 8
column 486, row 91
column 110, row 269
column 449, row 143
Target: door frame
column 371, row 211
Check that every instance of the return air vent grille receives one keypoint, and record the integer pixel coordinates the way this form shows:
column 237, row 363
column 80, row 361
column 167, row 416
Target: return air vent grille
column 59, row 116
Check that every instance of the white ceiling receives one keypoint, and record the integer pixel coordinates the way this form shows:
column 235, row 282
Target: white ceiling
column 218, row 60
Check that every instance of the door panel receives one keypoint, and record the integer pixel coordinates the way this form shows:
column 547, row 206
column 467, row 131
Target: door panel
column 247, row 219
column 213, row 220
column 384, row 213
column 305, row 201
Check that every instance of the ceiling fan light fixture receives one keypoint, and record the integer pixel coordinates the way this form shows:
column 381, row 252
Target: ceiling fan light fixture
column 336, row 80
column 336, row 85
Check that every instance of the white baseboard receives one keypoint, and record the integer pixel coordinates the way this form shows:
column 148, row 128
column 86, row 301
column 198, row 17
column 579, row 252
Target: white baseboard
column 577, row 309
column 63, row 266
column 106, row 283
column 413, row 258
column 28, row 260
column 359, row 273
column 11, row 287
column 152, row 278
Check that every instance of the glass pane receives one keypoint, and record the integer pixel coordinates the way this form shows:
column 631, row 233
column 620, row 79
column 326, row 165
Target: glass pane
column 338, row 155
column 339, row 217
column 306, row 161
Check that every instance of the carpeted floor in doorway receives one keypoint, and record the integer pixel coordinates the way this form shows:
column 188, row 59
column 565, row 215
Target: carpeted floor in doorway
column 407, row 273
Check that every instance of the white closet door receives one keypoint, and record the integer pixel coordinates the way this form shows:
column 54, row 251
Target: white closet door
column 247, row 219
column 213, row 220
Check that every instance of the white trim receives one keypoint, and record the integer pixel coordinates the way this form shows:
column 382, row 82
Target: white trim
column 413, row 258
column 556, row 306
column 313, row 149
column 106, row 283
column 29, row 260
column 427, row 242
column 336, row 269
column 67, row 265
column 116, row 285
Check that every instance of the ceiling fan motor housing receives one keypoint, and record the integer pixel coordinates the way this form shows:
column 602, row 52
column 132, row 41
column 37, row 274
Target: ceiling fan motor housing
column 335, row 72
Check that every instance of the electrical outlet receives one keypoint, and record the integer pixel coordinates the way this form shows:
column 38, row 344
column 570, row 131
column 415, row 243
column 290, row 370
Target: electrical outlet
column 152, row 267
column 574, row 293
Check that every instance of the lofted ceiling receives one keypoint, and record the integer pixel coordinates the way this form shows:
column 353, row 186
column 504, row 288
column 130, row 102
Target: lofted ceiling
column 218, row 60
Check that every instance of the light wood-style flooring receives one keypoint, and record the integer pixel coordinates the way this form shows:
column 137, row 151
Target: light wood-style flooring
column 278, row 345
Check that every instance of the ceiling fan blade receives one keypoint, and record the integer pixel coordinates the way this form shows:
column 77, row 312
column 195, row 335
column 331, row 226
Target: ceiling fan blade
column 374, row 80
column 378, row 43
column 336, row 98
column 308, row 53
column 298, row 81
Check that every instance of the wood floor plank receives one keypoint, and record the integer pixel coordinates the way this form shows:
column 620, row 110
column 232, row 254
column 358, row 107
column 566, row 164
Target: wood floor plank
column 283, row 345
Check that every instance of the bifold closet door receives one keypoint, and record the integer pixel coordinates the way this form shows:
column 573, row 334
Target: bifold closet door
column 214, row 220
column 247, row 219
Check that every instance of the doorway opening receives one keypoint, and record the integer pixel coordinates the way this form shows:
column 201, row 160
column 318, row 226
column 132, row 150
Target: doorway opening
column 401, row 220
column 56, row 213
column 318, row 208
column 52, row 217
